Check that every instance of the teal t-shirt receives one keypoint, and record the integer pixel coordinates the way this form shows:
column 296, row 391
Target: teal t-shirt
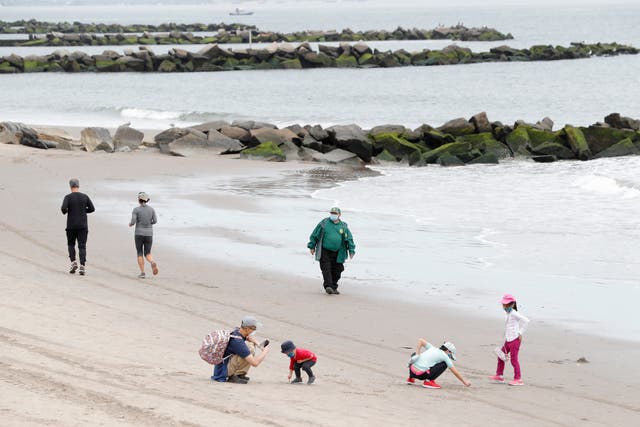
column 333, row 235
column 430, row 357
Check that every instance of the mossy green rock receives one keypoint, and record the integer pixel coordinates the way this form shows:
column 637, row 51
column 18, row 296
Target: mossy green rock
column 555, row 149
column 395, row 145
column 167, row 66
column 449, row 160
column 265, row 151
column 601, row 138
column 539, row 136
column 386, row 157
column 434, row 138
column 292, row 64
column 486, row 143
column 366, row 59
column 578, row 143
column 6, row 68
column 486, row 158
column 346, row 61
column 626, row 147
column 518, row 141
column 453, row 148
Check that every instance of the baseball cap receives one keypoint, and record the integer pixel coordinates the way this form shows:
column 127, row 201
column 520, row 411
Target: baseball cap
column 74, row 183
column 507, row 299
column 250, row 321
column 143, row 196
column 452, row 348
column 335, row 210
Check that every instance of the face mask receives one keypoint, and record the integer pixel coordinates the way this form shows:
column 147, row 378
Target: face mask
column 333, row 217
column 291, row 355
column 508, row 309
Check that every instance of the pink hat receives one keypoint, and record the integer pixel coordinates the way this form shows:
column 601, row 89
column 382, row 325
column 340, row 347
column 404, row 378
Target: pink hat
column 507, row 299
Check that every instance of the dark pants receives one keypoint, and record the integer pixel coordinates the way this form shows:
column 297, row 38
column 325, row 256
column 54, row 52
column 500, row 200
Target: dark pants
column 305, row 366
column 331, row 269
column 430, row 374
column 143, row 245
column 81, row 236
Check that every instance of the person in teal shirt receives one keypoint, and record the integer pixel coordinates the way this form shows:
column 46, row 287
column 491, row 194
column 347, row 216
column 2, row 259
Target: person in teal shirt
column 330, row 242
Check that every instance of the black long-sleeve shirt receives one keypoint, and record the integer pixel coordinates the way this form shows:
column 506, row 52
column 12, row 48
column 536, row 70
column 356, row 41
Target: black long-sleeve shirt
column 77, row 205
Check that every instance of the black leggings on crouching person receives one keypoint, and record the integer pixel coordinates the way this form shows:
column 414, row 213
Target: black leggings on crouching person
column 305, row 366
column 431, row 374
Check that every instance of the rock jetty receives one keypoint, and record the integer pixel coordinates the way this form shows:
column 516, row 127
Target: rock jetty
column 33, row 26
column 287, row 56
column 457, row 142
column 102, row 35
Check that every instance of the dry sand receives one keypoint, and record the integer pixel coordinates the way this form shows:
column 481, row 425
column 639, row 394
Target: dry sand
column 108, row 349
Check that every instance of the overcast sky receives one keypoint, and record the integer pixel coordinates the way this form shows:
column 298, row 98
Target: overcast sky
column 364, row 3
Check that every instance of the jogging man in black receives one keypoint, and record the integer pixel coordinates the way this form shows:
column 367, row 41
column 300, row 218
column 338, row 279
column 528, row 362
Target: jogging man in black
column 76, row 206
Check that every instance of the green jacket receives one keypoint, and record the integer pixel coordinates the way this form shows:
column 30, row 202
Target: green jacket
column 315, row 241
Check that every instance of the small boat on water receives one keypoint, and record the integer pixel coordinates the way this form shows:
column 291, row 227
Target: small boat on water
column 238, row 12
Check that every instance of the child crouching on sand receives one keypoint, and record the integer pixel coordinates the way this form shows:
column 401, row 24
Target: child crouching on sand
column 301, row 359
column 516, row 324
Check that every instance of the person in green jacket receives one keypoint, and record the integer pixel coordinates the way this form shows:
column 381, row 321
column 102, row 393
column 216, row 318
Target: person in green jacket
column 330, row 242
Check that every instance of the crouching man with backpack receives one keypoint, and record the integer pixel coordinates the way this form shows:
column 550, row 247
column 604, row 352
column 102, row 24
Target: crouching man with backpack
column 239, row 356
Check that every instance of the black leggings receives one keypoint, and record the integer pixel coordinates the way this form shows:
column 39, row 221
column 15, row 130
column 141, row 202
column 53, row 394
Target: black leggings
column 430, row 374
column 143, row 245
column 81, row 237
column 305, row 366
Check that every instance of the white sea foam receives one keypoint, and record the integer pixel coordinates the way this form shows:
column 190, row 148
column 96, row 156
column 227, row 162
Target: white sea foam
column 608, row 186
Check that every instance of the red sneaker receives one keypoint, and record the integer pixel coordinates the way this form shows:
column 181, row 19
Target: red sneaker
column 411, row 381
column 497, row 379
column 516, row 382
column 430, row 384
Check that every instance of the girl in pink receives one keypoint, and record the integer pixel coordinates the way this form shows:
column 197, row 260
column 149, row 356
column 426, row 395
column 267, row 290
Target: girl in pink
column 516, row 324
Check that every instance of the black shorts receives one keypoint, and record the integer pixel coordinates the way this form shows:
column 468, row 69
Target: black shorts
column 143, row 245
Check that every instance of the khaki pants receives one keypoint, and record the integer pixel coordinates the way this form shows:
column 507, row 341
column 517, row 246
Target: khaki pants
column 238, row 365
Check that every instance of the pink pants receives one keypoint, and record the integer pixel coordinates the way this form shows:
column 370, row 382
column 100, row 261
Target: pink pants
column 512, row 348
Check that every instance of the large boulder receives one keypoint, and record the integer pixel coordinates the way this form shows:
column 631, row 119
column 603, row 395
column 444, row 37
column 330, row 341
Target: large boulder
column 397, row 129
column 600, row 138
column 235, row 132
column 353, row 139
column 59, row 137
column 481, row 122
column 95, row 139
column 554, row 149
column 626, row 147
column 458, row 127
column 279, row 136
column 317, row 132
column 18, row 133
column 454, row 149
column 223, row 144
column 545, row 124
column 518, row 142
column 216, row 125
column 126, row 136
column 265, row 151
column 620, row 122
column 398, row 147
column 486, row 143
column 578, row 143
column 191, row 145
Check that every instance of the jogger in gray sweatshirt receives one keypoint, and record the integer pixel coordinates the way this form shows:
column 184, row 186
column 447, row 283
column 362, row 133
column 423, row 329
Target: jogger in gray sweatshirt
column 143, row 217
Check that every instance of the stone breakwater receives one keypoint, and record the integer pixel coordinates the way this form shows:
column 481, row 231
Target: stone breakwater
column 33, row 26
column 456, row 143
column 287, row 56
column 235, row 33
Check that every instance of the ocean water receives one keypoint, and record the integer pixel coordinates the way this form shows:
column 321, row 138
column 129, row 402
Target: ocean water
column 563, row 237
column 579, row 92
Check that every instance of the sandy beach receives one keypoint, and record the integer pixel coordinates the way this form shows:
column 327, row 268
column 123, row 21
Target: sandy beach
column 109, row 349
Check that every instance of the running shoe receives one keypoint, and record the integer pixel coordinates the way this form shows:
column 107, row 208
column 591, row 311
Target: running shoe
column 498, row 379
column 154, row 268
column 142, row 275
column 311, row 380
column 81, row 271
column 411, row 381
column 430, row 384
column 73, row 268
column 516, row 382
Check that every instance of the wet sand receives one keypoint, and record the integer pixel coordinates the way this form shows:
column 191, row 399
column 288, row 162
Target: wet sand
column 110, row 349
